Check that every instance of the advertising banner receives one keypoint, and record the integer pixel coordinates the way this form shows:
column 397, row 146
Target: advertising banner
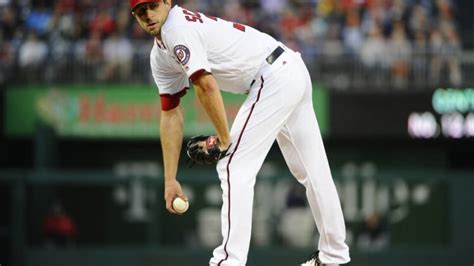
column 112, row 111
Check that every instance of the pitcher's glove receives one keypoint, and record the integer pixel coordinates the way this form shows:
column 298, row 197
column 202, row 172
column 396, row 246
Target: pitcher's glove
column 204, row 150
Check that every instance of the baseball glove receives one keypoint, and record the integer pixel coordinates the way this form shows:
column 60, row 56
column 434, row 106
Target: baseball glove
column 204, row 150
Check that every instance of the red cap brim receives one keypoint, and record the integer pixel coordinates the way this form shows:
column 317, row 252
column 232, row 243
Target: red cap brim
column 135, row 3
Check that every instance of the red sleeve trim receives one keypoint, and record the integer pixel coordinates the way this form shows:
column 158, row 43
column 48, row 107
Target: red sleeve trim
column 170, row 101
column 197, row 74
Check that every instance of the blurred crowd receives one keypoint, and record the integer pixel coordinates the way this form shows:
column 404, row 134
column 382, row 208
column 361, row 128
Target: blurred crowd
column 342, row 41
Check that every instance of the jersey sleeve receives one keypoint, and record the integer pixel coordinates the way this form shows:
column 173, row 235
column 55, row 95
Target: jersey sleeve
column 171, row 89
column 187, row 45
column 172, row 84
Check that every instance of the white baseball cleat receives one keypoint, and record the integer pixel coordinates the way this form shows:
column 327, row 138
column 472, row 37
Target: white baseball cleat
column 313, row 260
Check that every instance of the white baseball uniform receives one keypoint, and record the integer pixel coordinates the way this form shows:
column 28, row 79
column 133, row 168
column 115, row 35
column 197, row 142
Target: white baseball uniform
column 279, row 106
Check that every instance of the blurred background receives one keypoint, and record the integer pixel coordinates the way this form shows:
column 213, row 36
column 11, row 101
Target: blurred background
column 80, row 157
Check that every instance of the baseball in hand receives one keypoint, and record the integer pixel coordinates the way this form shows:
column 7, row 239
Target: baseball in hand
column 180, row 205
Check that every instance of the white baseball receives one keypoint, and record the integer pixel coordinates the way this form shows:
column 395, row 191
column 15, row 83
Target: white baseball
column 180, row 205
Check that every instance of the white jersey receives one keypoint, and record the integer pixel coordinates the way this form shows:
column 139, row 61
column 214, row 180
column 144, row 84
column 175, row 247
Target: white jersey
column 193, row 42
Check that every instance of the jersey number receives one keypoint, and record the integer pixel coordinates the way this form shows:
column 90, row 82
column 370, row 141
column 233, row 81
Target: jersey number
column 195, row 16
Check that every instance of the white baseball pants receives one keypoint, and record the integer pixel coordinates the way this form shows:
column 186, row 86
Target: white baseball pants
column 279, row 106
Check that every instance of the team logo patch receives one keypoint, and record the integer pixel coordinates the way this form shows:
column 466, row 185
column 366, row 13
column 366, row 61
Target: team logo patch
column 182, row 53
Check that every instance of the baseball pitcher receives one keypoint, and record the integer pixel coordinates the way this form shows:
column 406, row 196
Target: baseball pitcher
column 215, row 54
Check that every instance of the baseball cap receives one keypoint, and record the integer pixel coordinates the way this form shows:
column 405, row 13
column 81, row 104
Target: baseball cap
column 134, row 3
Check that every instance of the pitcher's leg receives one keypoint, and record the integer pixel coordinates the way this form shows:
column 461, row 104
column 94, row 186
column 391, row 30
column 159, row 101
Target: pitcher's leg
column 303, row 150
column 236, row 214
column 253, row 132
